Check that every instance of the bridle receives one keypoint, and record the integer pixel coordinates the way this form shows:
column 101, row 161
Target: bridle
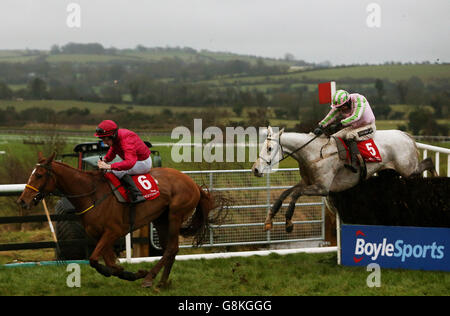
column 41, row 193
column 269, row 162
column 283, row 156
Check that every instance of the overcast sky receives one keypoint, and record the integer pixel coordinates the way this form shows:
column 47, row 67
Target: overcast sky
column 312, row 30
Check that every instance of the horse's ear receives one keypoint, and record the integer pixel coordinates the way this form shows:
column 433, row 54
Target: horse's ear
column 50, row 159
column 269, row 131
column 281, row 132
column 41, row 158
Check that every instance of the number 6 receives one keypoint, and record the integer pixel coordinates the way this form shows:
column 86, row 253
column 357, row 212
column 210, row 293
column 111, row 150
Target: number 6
column 146, row 185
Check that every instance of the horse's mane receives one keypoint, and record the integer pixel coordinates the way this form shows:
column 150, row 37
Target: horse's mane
column 95, row 173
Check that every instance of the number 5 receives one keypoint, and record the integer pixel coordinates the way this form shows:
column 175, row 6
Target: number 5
column 146, row 185
column 371, row 149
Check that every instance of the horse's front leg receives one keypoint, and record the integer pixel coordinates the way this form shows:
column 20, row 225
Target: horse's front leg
column 276, row 207
column 102, row 244
column 105, row 249
column 313, row 190
column 110, row 260
column 289, row 226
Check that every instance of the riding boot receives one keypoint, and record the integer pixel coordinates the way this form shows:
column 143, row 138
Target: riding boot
column 354, row 153
column 135, row 194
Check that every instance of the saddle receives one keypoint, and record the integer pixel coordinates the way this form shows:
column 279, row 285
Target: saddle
column 144, row 182
column 367, row 148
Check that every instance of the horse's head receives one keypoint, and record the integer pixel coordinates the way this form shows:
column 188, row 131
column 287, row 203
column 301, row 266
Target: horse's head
column 40, row 183
column 270, row 154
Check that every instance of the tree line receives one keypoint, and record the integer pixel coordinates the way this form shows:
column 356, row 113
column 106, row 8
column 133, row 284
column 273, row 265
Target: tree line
column 176, row 82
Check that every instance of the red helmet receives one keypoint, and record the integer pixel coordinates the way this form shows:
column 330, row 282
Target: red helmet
column 106, row 128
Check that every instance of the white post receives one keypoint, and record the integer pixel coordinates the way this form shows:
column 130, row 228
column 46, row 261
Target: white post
column 448, row 166
column 425, row 154
column 436, row 162
column 333, row 89
column 338, row 238
column 128, row 247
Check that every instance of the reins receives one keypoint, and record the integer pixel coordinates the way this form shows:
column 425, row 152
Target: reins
column 298, row 149
column 282, row 151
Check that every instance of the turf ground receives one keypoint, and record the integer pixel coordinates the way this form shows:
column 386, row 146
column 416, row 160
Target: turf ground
column 295, row 274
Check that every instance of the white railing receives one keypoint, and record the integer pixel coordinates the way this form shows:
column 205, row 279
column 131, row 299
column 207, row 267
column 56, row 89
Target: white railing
column 438, row 151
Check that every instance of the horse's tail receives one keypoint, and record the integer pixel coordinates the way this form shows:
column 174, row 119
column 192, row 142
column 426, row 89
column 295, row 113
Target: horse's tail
column 198, row 224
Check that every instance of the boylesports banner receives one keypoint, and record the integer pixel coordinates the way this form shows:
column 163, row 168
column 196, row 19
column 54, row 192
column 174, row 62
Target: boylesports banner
column 417, row 248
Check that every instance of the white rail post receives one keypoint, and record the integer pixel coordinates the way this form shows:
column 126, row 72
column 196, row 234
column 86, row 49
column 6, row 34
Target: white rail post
column 436, row 162
column 448, row 166
column 268, row 235
column 425, row 154
column 338, row 238
column 128, row 247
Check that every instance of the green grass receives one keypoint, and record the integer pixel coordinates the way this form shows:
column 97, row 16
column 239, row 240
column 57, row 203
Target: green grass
column 296, row 274
column 22, row 56
column 426, row 73
column 391, row 72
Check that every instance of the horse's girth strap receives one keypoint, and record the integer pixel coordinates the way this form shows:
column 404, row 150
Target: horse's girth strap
column 89, row 208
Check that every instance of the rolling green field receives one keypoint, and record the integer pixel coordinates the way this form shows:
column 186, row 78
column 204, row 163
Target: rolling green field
column 426, row 73
column 186, row 55
column 295, row 274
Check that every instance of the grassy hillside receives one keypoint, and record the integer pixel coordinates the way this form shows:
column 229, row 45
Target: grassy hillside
column 127, row 55
column 425, row 72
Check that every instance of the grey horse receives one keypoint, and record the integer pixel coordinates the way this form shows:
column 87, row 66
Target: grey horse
column 322, row 171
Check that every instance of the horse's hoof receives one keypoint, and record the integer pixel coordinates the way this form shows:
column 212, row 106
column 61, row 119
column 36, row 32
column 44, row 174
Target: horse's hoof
column 141, row 274
column 267, row 226
column 289, row 227
column 147, row 283
column 128, row 276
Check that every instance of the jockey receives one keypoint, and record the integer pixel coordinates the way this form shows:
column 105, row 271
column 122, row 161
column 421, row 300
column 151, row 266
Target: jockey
column 356, row 122
column 129, row 146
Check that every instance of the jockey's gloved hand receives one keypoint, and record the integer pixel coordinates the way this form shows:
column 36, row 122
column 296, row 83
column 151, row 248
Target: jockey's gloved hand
column 338, row 125
column 318, row 131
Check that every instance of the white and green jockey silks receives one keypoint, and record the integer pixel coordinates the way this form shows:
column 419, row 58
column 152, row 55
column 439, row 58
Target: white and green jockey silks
column 359, row 114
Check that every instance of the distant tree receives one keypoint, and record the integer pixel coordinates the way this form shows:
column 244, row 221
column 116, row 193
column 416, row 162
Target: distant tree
column 416, row 91
column 437, row 102
column 76, row 48
column 5, row 92
column 381, row 110
column 289, row 57
column 55, row 50
column 111, row 94
column 61, row 92
column 37, row 88
column 141, row 48
column 402, row 90
column 421, row 122
column 260, row 99
column 238, row 108
column 133, row 87
column 379, row 86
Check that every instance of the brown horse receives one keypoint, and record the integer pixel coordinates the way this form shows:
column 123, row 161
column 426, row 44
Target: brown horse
column 106, row 220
